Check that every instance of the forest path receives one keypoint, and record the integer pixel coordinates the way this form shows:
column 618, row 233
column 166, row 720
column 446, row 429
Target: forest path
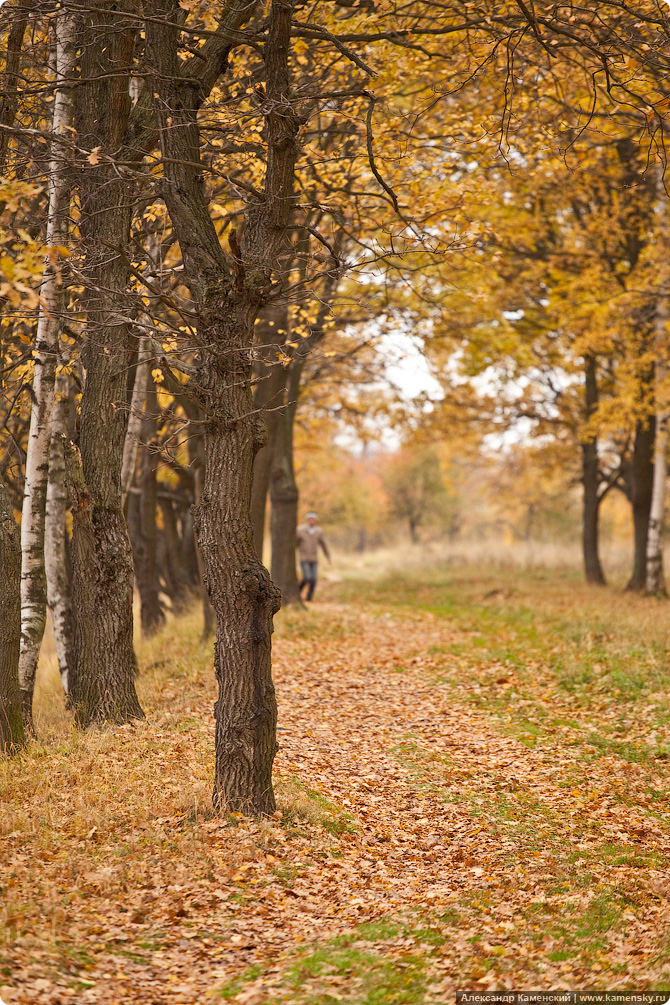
column 459, row 809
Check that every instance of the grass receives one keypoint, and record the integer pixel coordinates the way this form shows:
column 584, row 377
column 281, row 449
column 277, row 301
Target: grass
column 359, row 967
column 300, row 803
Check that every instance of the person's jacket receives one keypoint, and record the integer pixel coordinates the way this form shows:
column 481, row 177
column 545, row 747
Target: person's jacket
column 308, row 541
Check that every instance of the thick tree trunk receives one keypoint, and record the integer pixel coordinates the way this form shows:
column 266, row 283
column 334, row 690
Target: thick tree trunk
column 142, row 523
column 59, row 595
column 245, row 600
column 105, row 692
column 33, row 575
column 284, row 497
column 655, row 579
column 227, row 303
column 102, row 684
column 591, row 483
column 642, row 478
column 11, row 721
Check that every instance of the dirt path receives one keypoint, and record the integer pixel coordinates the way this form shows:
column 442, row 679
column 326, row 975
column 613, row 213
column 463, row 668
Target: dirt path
column 422, row 849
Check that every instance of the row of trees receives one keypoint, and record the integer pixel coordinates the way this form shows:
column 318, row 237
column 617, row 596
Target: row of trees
column 211, row 212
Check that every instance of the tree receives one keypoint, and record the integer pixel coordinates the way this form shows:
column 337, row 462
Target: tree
column 102, row 681
column 226, row 300
column 33, row 573
column 416, row 489
column 11, row 720
column 655, row 579
column 56, row 561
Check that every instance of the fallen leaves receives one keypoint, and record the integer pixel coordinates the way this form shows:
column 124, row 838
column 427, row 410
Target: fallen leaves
column 420, row 846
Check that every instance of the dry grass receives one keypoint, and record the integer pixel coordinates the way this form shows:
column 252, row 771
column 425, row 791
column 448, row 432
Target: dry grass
column 488, row 555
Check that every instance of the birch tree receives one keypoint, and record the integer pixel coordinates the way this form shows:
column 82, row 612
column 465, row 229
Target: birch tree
column 655, row 579
column 135, row 418
column 59, row 596
column 33, row 574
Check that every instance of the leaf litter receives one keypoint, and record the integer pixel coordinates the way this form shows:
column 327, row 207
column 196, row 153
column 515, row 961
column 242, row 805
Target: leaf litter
column 448, row 819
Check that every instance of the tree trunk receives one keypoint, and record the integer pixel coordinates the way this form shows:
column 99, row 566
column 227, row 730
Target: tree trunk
column 284, row 492
column 189, row 549
column 11, row 720
column 142, row 522
column 56, row 560
column 135, row 418
column 102, row 684
column 12, row 78
column 197, row 451
column 271, row 333
column 591, row 481
column 226, row 303
column 655, row 579
column 33, row 575
column 642, row 477
column 284, row 497
column 176, row 575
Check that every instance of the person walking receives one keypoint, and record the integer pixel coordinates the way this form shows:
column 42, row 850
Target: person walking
column 309, row 539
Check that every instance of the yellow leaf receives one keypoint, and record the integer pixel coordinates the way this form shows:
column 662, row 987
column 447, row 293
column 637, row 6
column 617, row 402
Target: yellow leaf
column 94, row 156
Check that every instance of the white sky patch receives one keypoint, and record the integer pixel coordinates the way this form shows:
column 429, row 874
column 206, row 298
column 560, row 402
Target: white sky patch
column 406, row 366
column 407, row 370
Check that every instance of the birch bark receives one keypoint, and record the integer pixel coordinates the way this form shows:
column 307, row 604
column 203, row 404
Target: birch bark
column 655, row 578
column 59, row 596
column 135, row 418
column 33, row 574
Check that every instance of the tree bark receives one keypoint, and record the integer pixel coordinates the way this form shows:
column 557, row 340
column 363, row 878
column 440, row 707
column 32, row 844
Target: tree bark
column 12, row 735
column 227, row 303
column 197, row 456
column 655, row 578
column 641, row 483
column 59, row 597
column 284, row 496
column 135, row 418
column 591, row 483
column 9, row 96
column 142, row 522
column 176, row 576
column 271, row 333
column 102, row 684
column 189, row 549
column 33, row 574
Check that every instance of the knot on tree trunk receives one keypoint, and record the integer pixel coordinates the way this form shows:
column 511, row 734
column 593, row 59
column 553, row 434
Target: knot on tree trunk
column 79, row 497
column 260, row 589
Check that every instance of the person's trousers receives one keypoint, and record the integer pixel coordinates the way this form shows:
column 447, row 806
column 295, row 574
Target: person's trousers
column 308, row 577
